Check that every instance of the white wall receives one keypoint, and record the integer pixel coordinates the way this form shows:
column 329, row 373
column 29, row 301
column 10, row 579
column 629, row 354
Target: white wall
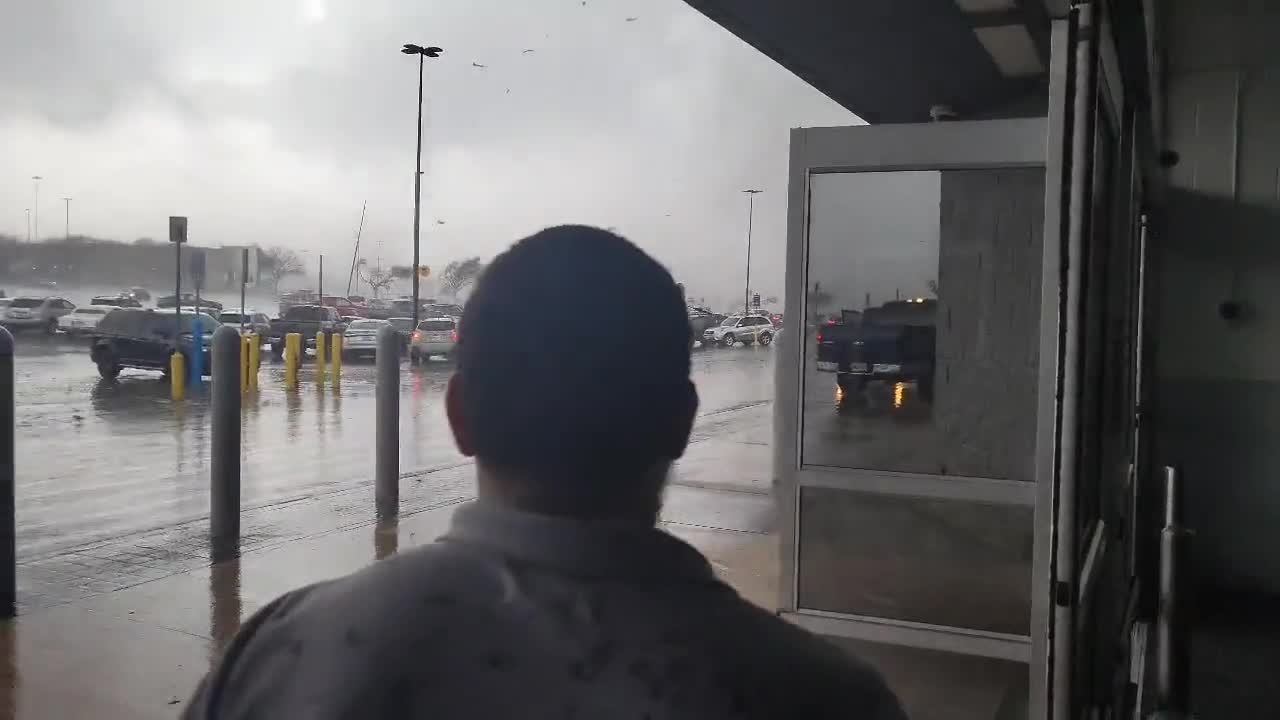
column 1218, row 382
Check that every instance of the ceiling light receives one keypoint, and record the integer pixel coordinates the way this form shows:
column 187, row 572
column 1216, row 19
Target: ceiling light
column 1012, row 49
column 986, row 6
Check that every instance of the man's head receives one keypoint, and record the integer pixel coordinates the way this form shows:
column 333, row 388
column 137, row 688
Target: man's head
column 573, row 389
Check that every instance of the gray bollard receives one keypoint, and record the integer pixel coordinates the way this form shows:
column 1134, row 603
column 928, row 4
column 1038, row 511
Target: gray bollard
column 224, row 462
column 8, row 523
column 1173, row 627
column 386, row 485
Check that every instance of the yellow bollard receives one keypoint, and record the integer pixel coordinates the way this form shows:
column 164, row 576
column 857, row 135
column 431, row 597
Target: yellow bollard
column 244, row 363
column 292, row 357
column 177, row 375
column 255, row 358
column 320, row 348
column 336, row 356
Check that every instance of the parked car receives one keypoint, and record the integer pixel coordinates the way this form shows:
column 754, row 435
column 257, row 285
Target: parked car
column 434, row 336
column 188, row 299
column 701, row 320
column 361, row 338
column 128, row 338
column 4, row 303
column 404, row 328
column 83, row 321
column 745, row 329
column 305, row 319
column 252, row 321
column 401, row 308
column 116, row 301
column 344, row 306
column 42, row 313
column 139, row 293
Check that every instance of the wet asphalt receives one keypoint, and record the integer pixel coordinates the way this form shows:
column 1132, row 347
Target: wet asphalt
column 99, row 461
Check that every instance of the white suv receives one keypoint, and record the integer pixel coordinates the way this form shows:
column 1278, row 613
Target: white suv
column 36, row 312
column 434, row 336
column 748, row 330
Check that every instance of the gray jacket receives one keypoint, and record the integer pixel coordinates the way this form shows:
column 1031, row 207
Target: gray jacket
column 512, row 615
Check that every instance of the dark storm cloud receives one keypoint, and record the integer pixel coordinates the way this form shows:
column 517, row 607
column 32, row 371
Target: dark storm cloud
column 271, row 122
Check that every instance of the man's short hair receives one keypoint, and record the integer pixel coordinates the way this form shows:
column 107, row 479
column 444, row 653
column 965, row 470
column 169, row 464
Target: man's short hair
column 574, row 359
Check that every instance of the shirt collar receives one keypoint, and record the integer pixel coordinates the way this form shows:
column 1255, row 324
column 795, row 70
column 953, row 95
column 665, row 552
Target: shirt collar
column 579, row 548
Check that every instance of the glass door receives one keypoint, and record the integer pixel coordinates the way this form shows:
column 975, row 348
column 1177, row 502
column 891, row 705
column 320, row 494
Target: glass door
column 915, row 417
column 916, row 413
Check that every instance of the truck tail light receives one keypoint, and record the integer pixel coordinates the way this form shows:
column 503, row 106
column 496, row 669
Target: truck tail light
column 455, row 335
column 417, row 336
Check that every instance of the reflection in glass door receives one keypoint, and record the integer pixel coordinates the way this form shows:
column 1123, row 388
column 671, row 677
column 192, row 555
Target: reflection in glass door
column 916, row 385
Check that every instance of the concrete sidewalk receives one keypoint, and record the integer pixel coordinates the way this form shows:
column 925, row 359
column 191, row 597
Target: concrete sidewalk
column 125, row 628
column 138, row 652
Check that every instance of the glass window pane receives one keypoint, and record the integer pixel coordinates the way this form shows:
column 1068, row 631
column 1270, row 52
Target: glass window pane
column 935, row 685
column 922, row 335
column 943, row 562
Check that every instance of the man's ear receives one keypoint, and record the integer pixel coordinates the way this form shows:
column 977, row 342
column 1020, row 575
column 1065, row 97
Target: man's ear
column 683, row 427
column 457, row 419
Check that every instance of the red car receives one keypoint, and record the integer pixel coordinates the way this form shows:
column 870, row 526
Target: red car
column 344, row 306
column 776, row 319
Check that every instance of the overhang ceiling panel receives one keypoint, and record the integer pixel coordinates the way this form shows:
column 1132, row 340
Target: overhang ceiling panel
column 892, row 60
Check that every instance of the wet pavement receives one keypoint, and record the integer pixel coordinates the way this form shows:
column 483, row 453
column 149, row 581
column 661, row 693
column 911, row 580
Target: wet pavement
column 120, row 611
column 98, row 461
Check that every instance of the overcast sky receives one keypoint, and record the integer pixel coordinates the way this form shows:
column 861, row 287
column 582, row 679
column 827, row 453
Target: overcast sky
column 270, row 123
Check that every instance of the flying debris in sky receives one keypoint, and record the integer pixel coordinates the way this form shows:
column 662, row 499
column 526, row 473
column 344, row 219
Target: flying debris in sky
column 526, row 51
column 439, row 222
column 478, row 65
column 632, row 19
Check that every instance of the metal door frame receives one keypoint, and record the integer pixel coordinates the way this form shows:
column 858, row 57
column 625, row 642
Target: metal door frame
column 1027, row 142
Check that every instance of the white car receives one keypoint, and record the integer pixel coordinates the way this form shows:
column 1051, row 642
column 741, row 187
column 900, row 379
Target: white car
column 433, row 336
column 83, row 321
column 361, row 338
column 748, row 330
column 36, row 313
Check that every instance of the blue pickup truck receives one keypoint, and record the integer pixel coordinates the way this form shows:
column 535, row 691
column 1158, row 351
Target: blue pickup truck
column 895, row 342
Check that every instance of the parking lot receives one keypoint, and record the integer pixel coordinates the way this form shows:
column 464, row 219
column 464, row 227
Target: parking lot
column 99, row 460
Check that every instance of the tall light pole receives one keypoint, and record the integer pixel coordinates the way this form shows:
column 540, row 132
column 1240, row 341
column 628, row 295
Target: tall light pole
column 28, row 224
column 423, row 53
column 35, row 205
column 67, row 200
column 751, row 211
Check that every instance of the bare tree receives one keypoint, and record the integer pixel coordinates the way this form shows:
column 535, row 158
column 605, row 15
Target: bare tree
column 281, row 262
column 458, row 274
column 379, row 280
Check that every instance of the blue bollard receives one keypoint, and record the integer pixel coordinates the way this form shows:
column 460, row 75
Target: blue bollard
column 8, row 523
column 197, row 351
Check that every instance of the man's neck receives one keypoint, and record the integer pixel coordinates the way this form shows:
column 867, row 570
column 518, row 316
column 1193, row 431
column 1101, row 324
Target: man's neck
column 502, row 489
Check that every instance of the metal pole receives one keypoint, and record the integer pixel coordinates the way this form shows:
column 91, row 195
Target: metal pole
column 224, row 461
column 1078, row 211
column 387, row 421
column 417, row 191
column 751, row 212
column 244, row 280
column 1173, row 652
column 8, row 523
column 177, row 294
column 321, row 281
column 28, row 224
column 67, row 200
column 36, row 206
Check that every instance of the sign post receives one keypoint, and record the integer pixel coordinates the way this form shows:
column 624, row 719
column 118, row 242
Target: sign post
column 177, row 236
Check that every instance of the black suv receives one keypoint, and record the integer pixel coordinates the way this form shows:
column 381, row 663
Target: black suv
column 128, row 338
